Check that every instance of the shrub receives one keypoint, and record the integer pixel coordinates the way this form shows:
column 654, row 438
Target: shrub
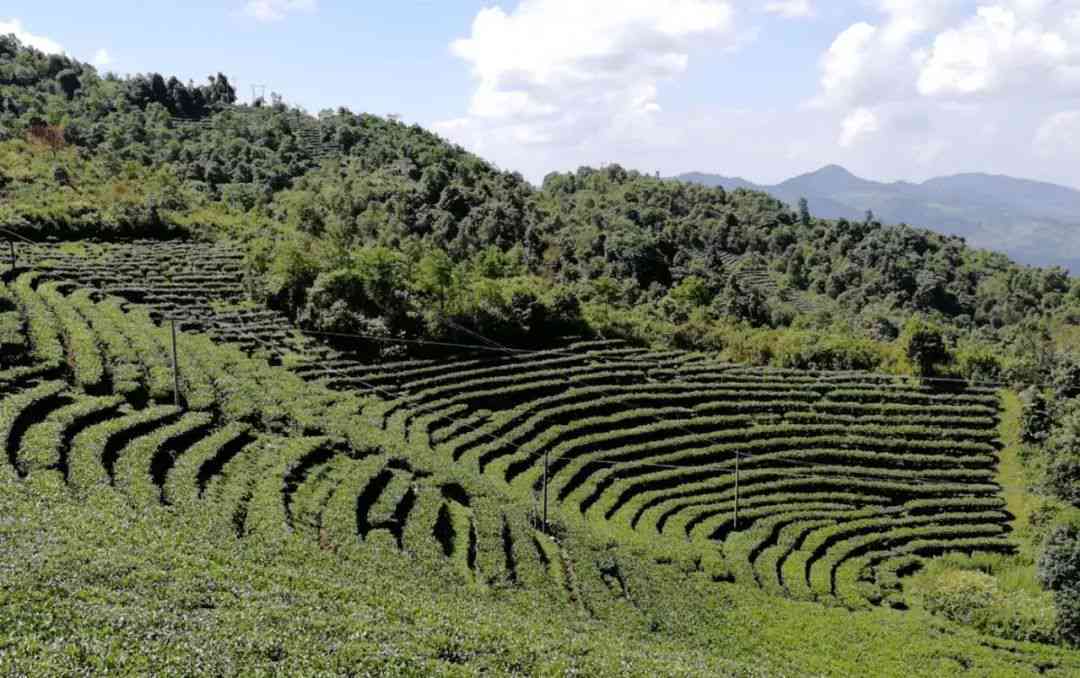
column 806, row 350
column 1063, row 476
column 1059, row 571
column 978, row 363
column 1062, row 449
column 1065, row 374
column 924, row 346
column 1035, row 416
column 975, row 599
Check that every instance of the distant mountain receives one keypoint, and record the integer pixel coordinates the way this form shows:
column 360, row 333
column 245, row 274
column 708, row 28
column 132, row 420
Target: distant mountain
column 1034, row 222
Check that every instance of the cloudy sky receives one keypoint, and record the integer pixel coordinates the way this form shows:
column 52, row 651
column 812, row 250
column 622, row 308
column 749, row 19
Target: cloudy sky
column 891, row 89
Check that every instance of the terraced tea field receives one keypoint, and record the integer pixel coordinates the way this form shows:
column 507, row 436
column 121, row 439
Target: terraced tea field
column 87, row 406
column 844, row 482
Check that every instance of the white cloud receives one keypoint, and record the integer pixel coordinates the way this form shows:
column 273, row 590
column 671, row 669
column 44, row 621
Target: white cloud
column 791, row 9
column 914, row 72
column 557, row 86
column 859, row 123
column 276, row 10
column 14, row 26
column 846, row 61
column 1059, row 135
column 102, row 58
column 566, row 72
column 944, row 48
column 992, row 51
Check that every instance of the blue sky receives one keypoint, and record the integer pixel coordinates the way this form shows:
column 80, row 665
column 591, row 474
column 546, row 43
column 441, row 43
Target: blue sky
column 892, row 89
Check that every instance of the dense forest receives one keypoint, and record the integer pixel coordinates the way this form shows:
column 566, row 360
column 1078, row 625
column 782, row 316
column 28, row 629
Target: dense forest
column 360, row 224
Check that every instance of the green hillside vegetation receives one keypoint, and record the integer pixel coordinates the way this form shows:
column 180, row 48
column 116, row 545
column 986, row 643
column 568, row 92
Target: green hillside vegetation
column 1032, row 221
column 391, row 353
column 467, row 246
column 273, row 522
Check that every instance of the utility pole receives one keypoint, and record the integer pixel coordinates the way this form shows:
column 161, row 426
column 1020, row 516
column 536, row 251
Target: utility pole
column 546, row 493
column 175, row 371
column 735, row 522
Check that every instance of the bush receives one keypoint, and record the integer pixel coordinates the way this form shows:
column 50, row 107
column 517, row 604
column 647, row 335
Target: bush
column 978, row 363
column 1059, row 571
column 514, row 311
column 1063, row 477
column 1062, row 451
column 807, row 350
column 924, row 347
column 961, row 595
column 1066, row 376
column 1035, row 416
column 974, row 598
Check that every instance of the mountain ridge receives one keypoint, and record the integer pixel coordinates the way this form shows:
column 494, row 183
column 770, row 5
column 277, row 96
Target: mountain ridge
column 1035, row 222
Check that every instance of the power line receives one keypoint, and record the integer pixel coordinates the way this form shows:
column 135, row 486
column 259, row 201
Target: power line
column 738, row 454
column 493, row 345
column 17, row 235
column 916, row 480
column 498, row 348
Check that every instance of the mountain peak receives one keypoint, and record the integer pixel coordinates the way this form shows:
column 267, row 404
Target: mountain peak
column 833, row 170
column 829, row 179
column 1032, row 221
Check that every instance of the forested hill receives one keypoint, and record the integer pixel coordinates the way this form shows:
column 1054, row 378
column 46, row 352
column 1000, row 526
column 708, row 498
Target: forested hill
column 355, row 223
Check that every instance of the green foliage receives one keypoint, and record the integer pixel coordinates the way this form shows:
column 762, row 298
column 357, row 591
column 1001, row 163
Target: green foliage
column 1059, row 571
column 814, row 351
column 975, row 599
column 1035, row 419
column 360, row 299
column 1062, row 453
column 313, row 195
column 1066, row 376
column 978, row 362
column 924, row 347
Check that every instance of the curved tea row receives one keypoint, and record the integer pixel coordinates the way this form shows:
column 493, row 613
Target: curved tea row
column 845, row 480
column 87, row 406
column 839, row 474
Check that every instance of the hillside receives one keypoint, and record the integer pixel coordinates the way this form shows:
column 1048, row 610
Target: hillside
column 1033, row 222
column 426, row 418
column 431, row 468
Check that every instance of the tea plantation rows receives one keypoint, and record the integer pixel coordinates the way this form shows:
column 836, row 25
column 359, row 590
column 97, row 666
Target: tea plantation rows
column 87, row 406
column 846, row 480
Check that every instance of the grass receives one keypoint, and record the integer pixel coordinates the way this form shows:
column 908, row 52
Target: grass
column 1011, row 472
column 96, row 586
column 267, row 573
column 1014, row 604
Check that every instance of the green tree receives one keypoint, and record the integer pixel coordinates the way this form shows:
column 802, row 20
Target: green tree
column 1035, row 416
column 804, row 212
column 692, row 291
column 743, row 302
column 434, row 275
column 1059, row 572
column 69, row 82
column 924, row 346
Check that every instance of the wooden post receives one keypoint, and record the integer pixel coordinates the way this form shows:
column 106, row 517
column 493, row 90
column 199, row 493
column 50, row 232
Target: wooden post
column 735, row 522
column 545, row 492
column 12, row 244
column 175, row 370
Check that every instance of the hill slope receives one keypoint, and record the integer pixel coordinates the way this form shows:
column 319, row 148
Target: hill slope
column 389, row 522
column 390, row 353
column 1034, row 222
